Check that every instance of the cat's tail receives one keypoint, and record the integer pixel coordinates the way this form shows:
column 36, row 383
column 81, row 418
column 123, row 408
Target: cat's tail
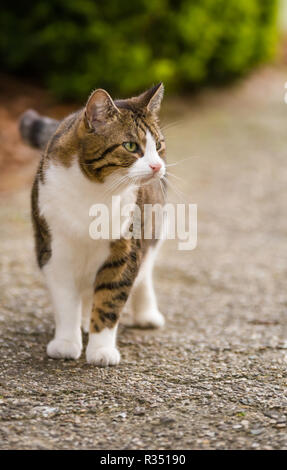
column 37, row 130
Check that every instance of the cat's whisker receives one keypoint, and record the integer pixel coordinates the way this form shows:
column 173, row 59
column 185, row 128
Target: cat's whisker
column 116, row 184
column 163, row 190
column 146, row 183
column 172, row 124
column 113, row 186
column 141, row 174
column 175, row 176
column 179, row 193
column 182, row 160
column 120, row 185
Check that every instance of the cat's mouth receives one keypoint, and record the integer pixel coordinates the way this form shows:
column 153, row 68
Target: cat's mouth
column 149, row 178
column 143, row 177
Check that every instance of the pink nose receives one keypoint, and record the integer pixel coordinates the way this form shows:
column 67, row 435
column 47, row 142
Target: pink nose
column 155, row 167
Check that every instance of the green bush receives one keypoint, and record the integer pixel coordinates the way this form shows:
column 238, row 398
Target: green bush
column 74, row 46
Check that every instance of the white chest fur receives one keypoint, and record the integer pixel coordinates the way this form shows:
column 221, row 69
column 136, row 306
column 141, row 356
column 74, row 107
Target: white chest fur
column 65, row 200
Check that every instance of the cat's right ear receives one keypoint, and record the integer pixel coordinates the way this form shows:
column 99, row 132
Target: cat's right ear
column 100, row 109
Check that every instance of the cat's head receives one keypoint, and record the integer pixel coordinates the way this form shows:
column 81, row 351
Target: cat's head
column 123, row 137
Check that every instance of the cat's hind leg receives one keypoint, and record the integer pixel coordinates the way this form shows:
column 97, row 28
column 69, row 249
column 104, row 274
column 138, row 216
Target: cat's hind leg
column 142, row 301
column 87, row 303
column 66, row 298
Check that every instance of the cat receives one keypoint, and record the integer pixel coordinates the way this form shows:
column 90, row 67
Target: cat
column 107, row 148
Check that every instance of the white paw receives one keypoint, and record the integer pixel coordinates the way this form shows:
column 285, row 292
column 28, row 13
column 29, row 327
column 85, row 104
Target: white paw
column 60, row 348
column 149, row 319
column 103, row 356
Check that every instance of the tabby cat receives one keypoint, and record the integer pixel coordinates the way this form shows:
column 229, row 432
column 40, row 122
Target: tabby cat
column 107, row 148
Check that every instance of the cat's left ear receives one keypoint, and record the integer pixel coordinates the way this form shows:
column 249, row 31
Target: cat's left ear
column 152, row 98
column 100, row 109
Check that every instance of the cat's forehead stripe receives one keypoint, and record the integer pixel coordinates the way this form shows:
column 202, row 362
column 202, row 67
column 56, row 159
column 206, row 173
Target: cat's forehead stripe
column 144, row 126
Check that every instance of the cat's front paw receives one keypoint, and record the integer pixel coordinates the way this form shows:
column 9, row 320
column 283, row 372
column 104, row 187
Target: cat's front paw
column 60, row 348
column 103, row 356
column 149, row 319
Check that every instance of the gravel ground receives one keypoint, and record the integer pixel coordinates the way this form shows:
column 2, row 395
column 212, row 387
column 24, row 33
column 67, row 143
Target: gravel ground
column 215, row 376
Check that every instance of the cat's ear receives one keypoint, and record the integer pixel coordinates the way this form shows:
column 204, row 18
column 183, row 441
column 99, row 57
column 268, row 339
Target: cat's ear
column 152, row 98
column 100, row 109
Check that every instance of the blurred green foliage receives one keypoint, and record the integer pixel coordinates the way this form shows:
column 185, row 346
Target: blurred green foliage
column 74, row 46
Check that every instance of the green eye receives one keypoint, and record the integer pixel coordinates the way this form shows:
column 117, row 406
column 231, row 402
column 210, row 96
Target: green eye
column 130, row 146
